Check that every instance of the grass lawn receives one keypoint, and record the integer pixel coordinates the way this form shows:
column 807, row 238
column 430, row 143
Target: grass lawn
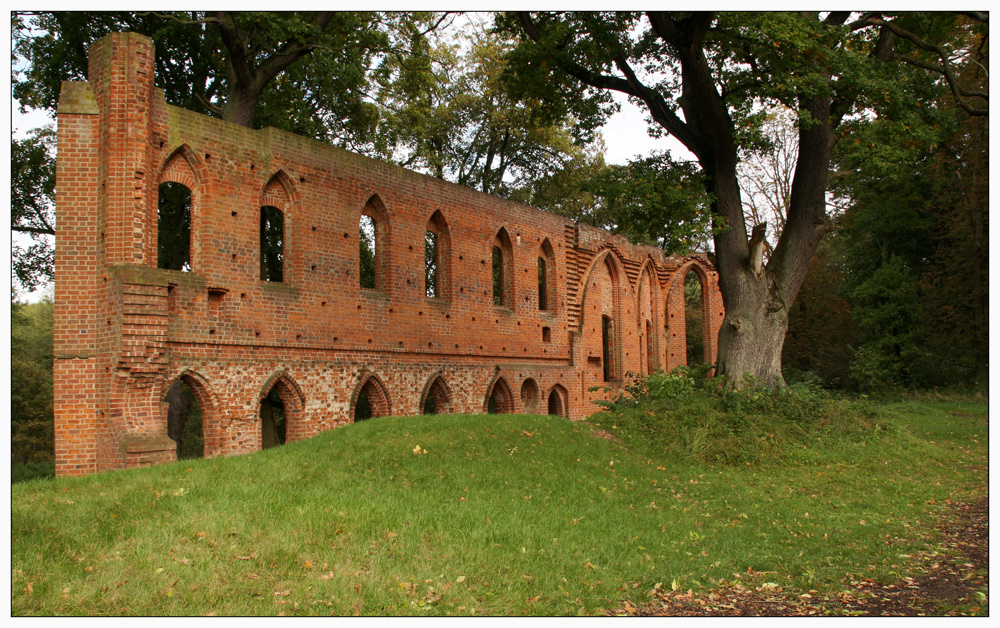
column 495, row 515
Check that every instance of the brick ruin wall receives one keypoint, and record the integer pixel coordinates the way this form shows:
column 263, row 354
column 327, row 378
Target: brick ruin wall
column 125, row 330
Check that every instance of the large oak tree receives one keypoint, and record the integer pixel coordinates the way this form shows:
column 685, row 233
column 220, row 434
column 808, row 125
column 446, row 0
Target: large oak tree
column 707, row 79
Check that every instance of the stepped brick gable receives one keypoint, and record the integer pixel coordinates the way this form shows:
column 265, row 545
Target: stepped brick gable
column 523, row 311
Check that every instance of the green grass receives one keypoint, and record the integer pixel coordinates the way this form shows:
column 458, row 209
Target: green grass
column 503, row 515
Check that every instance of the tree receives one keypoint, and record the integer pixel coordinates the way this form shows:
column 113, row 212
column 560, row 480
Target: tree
column 32, row 187
column 705, row 79
column 31, row 409
column 766, row 172
column 453, row 118
column 304, row 72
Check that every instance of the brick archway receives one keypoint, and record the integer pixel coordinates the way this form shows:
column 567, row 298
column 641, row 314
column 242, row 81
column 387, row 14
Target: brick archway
column 499, row 397
column 437, row 393
column 293, row 405
column 372, row 391
column 557, row 401
column 211, row 427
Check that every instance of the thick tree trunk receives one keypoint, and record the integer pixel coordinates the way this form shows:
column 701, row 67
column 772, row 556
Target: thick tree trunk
column 240, row 107
column 752, row 333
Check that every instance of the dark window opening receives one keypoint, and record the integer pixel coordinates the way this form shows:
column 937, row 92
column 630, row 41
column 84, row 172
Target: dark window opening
column 430, row 405
column 173, row 239
column 546, row 334
column 693, row 320
column 272, row 239
column 498, row 276
column 366, row 234
column 372, row 401
column 184, row 421
column 650, row 358
column 362, row 407
column 431, row 264
column 543, row 286
column 272, row 420
column 437, row 401
column 607, row 342
column 555, row 403
column 501, row 401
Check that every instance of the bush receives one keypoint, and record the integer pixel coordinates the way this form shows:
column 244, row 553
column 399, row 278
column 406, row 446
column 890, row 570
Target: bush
column 683, row 412
column 24, row 471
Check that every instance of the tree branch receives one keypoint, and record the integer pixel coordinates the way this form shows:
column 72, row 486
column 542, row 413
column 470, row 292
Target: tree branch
column 631, row 85
column 167, row 16
column 40, row 230
column 216, row 109
column 944, row 69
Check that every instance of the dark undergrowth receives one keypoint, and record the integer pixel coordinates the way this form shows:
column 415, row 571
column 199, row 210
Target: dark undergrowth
column 685, row 413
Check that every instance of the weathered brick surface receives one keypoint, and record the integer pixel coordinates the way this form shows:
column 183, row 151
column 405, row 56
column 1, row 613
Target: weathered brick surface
column 126, row 330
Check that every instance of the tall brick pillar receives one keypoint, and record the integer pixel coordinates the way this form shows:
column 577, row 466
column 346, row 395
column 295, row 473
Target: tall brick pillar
column 121, row 74
column 106, row 226
column 78, row 266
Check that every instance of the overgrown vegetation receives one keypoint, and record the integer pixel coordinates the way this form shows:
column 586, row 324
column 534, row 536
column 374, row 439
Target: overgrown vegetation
column 31, row 429
column 504, row 515
column 686, row 413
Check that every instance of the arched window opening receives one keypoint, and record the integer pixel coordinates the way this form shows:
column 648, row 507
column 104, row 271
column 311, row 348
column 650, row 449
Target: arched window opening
column 431, row 264
column 498, row 272
column 694, row 324
column 184, row 421
column 438, row 401
column 500, row 400
column 362, row 407
column 503, row 271
column 608, row 347
column 650, row 357
column 368, row 252
column 173, row 240
column 529, row 395
column 556, row 403
column 546, row 277
column 272, row 241
column 437, row 257
column 273, row 426
column 543, row 285
column 372, row 401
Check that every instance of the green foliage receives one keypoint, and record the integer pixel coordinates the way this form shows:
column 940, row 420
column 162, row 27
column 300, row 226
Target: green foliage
column 27, row 471
column 694, row 325
column 366, row 252
column 31, row 402
column 32, row 188
column 272, row 238
column 654, row 200
column 173, row 233
column 320, row 95
column 454, row 118
column 684, row 412
column 820, row 326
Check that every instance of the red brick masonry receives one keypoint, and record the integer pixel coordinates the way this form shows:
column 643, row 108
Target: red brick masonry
column 125, row 330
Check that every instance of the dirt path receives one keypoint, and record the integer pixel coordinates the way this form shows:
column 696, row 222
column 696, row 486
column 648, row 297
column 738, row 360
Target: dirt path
column 948, row 585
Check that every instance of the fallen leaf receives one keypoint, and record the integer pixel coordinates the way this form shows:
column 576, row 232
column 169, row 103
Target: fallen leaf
column 282, row 593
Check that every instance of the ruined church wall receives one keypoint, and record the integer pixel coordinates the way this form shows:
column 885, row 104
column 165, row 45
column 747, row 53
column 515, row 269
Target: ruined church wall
column 127, row 330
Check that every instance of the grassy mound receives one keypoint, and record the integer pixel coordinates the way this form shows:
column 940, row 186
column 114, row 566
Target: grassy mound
column 461, row 515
